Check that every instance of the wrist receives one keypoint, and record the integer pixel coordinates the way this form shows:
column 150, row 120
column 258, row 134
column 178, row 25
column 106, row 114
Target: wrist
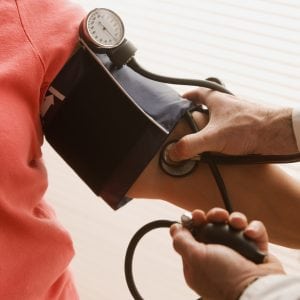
column 244, row 286
column 278, row 132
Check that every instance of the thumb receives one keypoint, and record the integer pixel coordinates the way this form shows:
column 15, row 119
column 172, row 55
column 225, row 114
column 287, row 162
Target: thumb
column 183, row 241
column 256, row 231
column 193, row 144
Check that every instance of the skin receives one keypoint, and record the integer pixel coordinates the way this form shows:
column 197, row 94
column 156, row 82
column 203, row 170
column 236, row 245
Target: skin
column 263, row 192
column 202, row 263
column 237, row 127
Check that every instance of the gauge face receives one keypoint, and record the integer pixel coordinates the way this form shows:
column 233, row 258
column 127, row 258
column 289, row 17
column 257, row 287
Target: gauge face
column 105, row 28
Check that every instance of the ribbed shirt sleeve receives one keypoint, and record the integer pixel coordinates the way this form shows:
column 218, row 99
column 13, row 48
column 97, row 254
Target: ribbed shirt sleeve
column 273, row 287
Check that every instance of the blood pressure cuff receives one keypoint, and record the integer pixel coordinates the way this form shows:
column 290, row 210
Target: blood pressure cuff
column 108, row 123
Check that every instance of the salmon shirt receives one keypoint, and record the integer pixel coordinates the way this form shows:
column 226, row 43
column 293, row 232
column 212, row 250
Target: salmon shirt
column 36, row 39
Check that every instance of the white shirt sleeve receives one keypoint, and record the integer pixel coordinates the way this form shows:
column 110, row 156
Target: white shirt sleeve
column 273, row 287
column 296, row 125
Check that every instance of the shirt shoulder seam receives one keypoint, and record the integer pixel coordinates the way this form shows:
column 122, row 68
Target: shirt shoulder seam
column 35, row 50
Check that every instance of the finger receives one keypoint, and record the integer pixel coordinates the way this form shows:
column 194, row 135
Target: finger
column 174, row 229
column 193, row 144
column 201, row 119
column 238, row 221
column 199, row 217
column 258, row 233
column 200, row 95
column 217, row 215
column 183, row 241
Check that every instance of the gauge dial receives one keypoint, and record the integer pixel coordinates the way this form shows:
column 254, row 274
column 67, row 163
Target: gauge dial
column 103, row 28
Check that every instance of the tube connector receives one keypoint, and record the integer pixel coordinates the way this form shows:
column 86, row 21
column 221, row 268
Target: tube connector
column 122, row 54
column 187, row 220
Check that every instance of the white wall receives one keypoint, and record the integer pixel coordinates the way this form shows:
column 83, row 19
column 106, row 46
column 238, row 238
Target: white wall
column 254, row 47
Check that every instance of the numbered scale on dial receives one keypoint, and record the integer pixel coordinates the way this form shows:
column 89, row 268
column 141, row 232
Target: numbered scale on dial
column 103, row 28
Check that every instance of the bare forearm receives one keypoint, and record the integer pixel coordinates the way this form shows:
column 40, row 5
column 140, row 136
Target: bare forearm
column 266, row 193
column 263, row 192
column 269, row 194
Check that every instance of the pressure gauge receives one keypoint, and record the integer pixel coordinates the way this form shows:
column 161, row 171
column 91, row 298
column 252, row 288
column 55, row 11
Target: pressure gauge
column 102, row 29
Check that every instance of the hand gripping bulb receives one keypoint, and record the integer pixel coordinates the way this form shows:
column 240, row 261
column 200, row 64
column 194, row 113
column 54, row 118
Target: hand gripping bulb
column 224, row 234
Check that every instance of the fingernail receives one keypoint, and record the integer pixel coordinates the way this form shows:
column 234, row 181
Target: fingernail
column 170, row 152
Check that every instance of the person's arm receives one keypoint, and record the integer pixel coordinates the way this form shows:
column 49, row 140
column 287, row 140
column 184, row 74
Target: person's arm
column 262, row 192
column 202, row 262
column 239, row 127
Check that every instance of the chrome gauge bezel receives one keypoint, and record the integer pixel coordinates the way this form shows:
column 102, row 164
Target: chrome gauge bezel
column 89, row 36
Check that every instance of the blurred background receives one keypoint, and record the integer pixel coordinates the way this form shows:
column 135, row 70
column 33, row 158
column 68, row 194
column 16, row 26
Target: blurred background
column 254, row 47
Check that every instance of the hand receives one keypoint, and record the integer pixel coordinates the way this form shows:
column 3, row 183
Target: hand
column 237, row 127
column 218, row 272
